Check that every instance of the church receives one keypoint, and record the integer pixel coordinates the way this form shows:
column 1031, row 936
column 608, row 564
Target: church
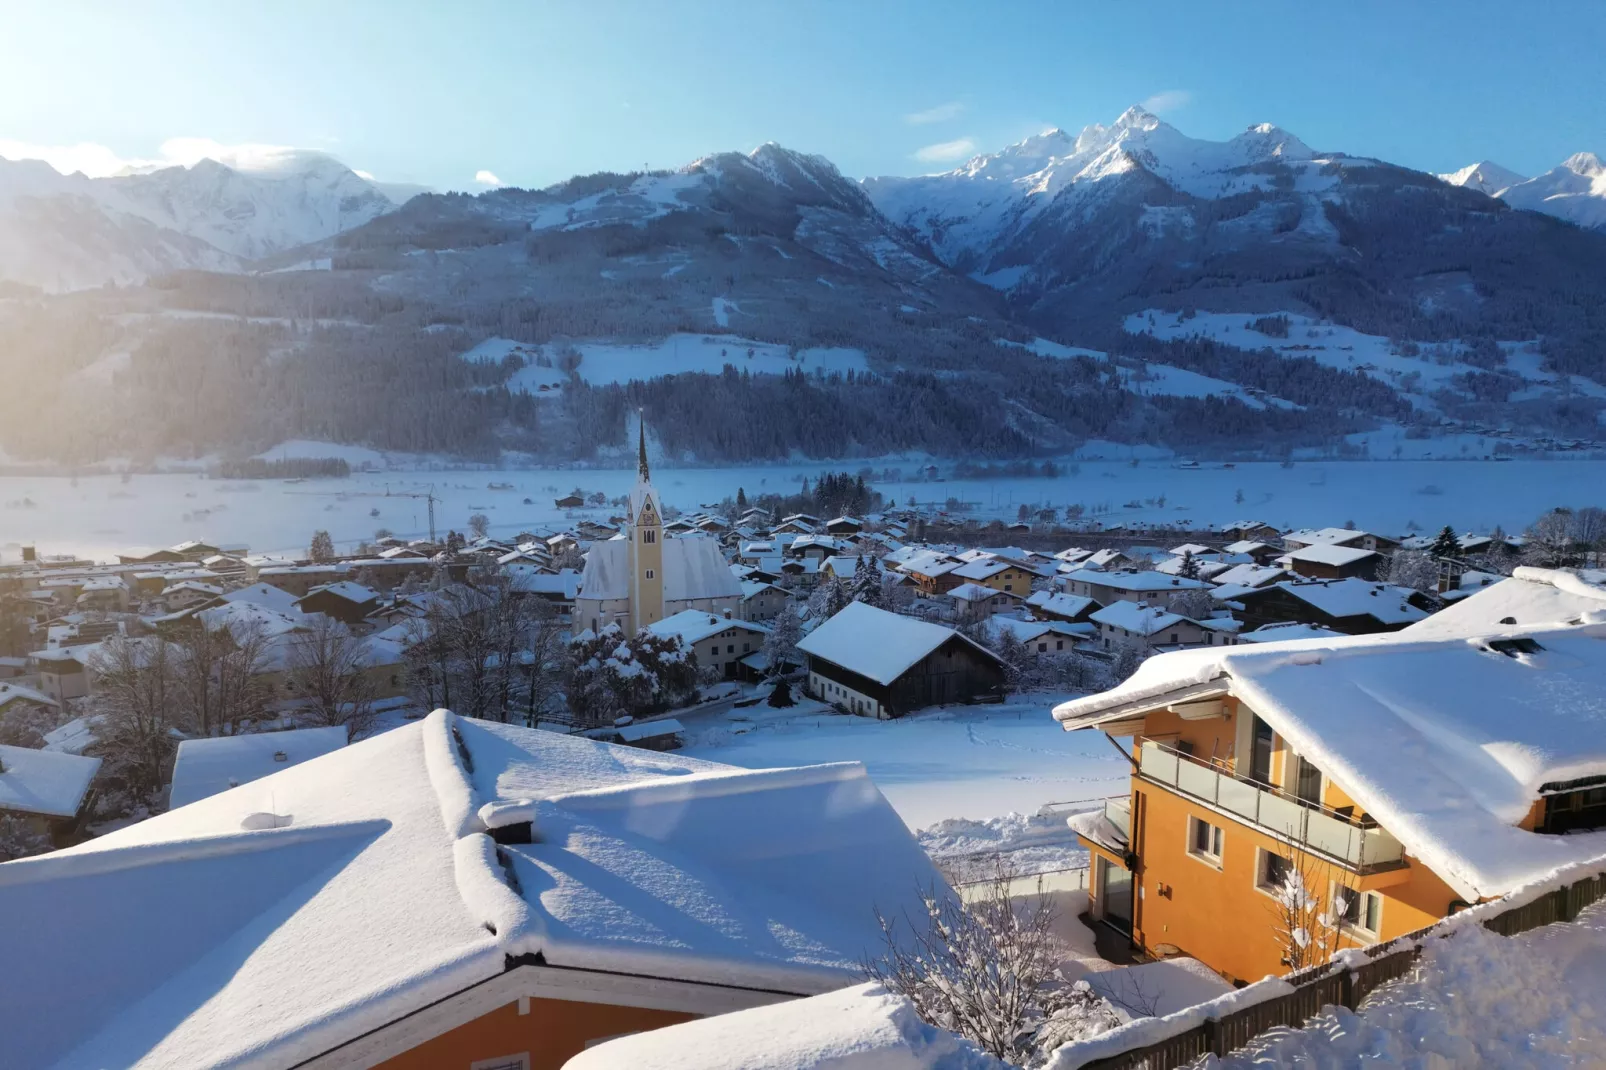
column 639, row 577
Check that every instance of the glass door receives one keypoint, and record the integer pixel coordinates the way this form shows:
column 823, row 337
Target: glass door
column 1115, row 895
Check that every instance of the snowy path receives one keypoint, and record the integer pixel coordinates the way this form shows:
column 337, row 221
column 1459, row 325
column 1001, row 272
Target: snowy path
column 1477, row 1000
column 954, row 762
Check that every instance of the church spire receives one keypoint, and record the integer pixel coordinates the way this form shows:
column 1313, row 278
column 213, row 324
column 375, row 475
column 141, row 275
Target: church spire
column 641, row 461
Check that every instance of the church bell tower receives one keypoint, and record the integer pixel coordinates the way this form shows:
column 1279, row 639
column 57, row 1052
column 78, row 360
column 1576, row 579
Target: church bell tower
column 646, row 534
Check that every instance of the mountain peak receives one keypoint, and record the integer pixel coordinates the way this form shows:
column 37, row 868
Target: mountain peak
column 1137, row 117
column 1585, row 163
column 1485, row 176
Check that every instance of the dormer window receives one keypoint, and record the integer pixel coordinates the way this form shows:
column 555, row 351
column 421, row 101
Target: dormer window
column 1512, row 647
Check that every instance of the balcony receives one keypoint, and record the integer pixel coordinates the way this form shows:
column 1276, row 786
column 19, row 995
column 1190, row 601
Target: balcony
column 1118, row 812
column 1358, row 845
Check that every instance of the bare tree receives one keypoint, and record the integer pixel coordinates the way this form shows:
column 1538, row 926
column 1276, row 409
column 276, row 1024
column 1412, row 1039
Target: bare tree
column 1307, row 932
column 479, row 525
column 20, row 837
column 1414, row 569
column 328, row 671
column 322, row 547
column 136, row 690
column 988, row 970
column 220, row 677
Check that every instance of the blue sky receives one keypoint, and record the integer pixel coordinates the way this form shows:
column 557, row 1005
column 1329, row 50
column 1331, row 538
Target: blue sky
column 533, row 92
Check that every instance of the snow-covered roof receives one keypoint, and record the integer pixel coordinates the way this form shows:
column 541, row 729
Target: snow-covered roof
column 1354, row 597
column 1287, row 630
column 46, row 782
column 219, row 934
column 1206, row 568
column 927, row 563
column 1531, row 597
column 1326, row 554
column 1445, row 741
column 637, row 731
column 10, row 693
column 983, row 568
column 859, row 1028
column 1060, row 603
column 241, row 616
column 1323, row 536
column 352, row 592
column 1100, row 558
column 1134, row 580
column 975, row 592
column 1250, row 575
column 750, row 588
column 1028, row 630
column 876, row 644
column 74, row 736
column 695, row 625
column 693, row 567
column 564, row 584
column 1194, row 548
column 1245, row 546
column 205, row 767
column 265, row 595
column 210, row 590
column 1139, row 620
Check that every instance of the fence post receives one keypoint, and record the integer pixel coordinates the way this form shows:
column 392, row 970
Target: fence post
column 1564, row 906
column 1215, row 1043
column 1346, row 989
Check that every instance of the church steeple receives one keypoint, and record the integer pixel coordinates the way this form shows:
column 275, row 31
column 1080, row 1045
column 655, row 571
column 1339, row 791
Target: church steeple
column 641, row 456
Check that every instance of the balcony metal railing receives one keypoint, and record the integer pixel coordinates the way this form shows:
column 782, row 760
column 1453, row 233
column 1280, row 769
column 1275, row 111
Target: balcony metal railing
column 1317, row 828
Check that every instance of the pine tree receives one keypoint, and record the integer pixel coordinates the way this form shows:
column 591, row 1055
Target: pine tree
column 1445, row 543
column 1189, row 569
column 741, row 499
column 869, row 584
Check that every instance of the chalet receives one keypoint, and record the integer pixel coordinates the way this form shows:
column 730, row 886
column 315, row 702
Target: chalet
column 49, row 792
column 345, row 601
column 761, row 601
column 931, row 571
column 189, row 593
column 299, row 580
column 204, row 767
column 1250, row 576
column 1362, row 540
column 1261, row 553
column 395, row 553
column 972, row 602
column 1149, row 627
column 1323, row 562
column 406, row 878
column 15, row 697
column 797, row 524
column 844, row 526
column 63, row 674
column 1390, row 779
column 663, row 733
column 1040, row 637
column 561, row 588
column 1204, row 568
column 1352, row 606
column 998, row 573
column 720, row 642
column 1127, row 584
column 1057, row 605
column 1108, row 558
column 757, row 552
column 570, row 501
column 818, row 547
column 106, row 593
column 880, row 664
column 1252, row 531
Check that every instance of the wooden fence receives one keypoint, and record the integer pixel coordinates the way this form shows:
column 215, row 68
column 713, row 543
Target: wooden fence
column 1340, row 984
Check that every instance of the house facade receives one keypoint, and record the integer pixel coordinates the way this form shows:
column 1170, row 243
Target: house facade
column 1349, row 768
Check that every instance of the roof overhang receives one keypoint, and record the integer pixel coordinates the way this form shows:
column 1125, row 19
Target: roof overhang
column 1193, row 702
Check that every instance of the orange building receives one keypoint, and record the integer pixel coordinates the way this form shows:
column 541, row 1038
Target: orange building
column 453, row 895
column 1351, row 789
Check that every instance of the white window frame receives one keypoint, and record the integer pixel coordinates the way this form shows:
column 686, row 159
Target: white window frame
column 1268, row 890
column 1358, row 931
column 1219, row 836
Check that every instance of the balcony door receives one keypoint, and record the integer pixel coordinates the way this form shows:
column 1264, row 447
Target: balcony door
column 1115, row 895
column 1260, row 753
column 1307, row 781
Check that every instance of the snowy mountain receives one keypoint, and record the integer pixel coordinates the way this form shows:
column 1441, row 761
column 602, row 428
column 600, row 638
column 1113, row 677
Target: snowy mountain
column 1484, row 176
column 975, row 213
column 1574, row 191
column 66, row 232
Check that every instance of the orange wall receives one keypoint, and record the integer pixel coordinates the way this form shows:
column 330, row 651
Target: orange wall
column 1218, row 915
column 552, row 1033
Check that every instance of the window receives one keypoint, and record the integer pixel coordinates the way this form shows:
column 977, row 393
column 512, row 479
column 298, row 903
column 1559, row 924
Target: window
column 1204, row 841
column 650, row 573
column 1362, row 913
column 1059, row 644
column 649, row 535
column 747, row 648
column 1271, row 871
column 1041, row 647
column 731, row 649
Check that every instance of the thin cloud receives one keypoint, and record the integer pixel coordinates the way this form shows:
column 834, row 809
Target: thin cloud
column 100, row 161
column 1168, row 100
column 486, row 178
column 940, row 114
column 947, row 151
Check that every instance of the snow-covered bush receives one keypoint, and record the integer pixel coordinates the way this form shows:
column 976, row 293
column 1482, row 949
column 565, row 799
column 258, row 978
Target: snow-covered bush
column 19, row 838
column 615, row 676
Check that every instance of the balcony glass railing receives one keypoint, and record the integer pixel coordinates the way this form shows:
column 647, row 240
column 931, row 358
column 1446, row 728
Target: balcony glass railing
column 1118, row 812
column 1338, row 836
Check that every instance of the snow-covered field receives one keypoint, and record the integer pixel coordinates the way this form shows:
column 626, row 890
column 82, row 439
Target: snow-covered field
column 606, row 362
column 98, row 515
column 1477, row 1000
column 970, row 762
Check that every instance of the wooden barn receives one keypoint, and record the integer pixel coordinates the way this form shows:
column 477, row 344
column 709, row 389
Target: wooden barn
column 879, row 664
